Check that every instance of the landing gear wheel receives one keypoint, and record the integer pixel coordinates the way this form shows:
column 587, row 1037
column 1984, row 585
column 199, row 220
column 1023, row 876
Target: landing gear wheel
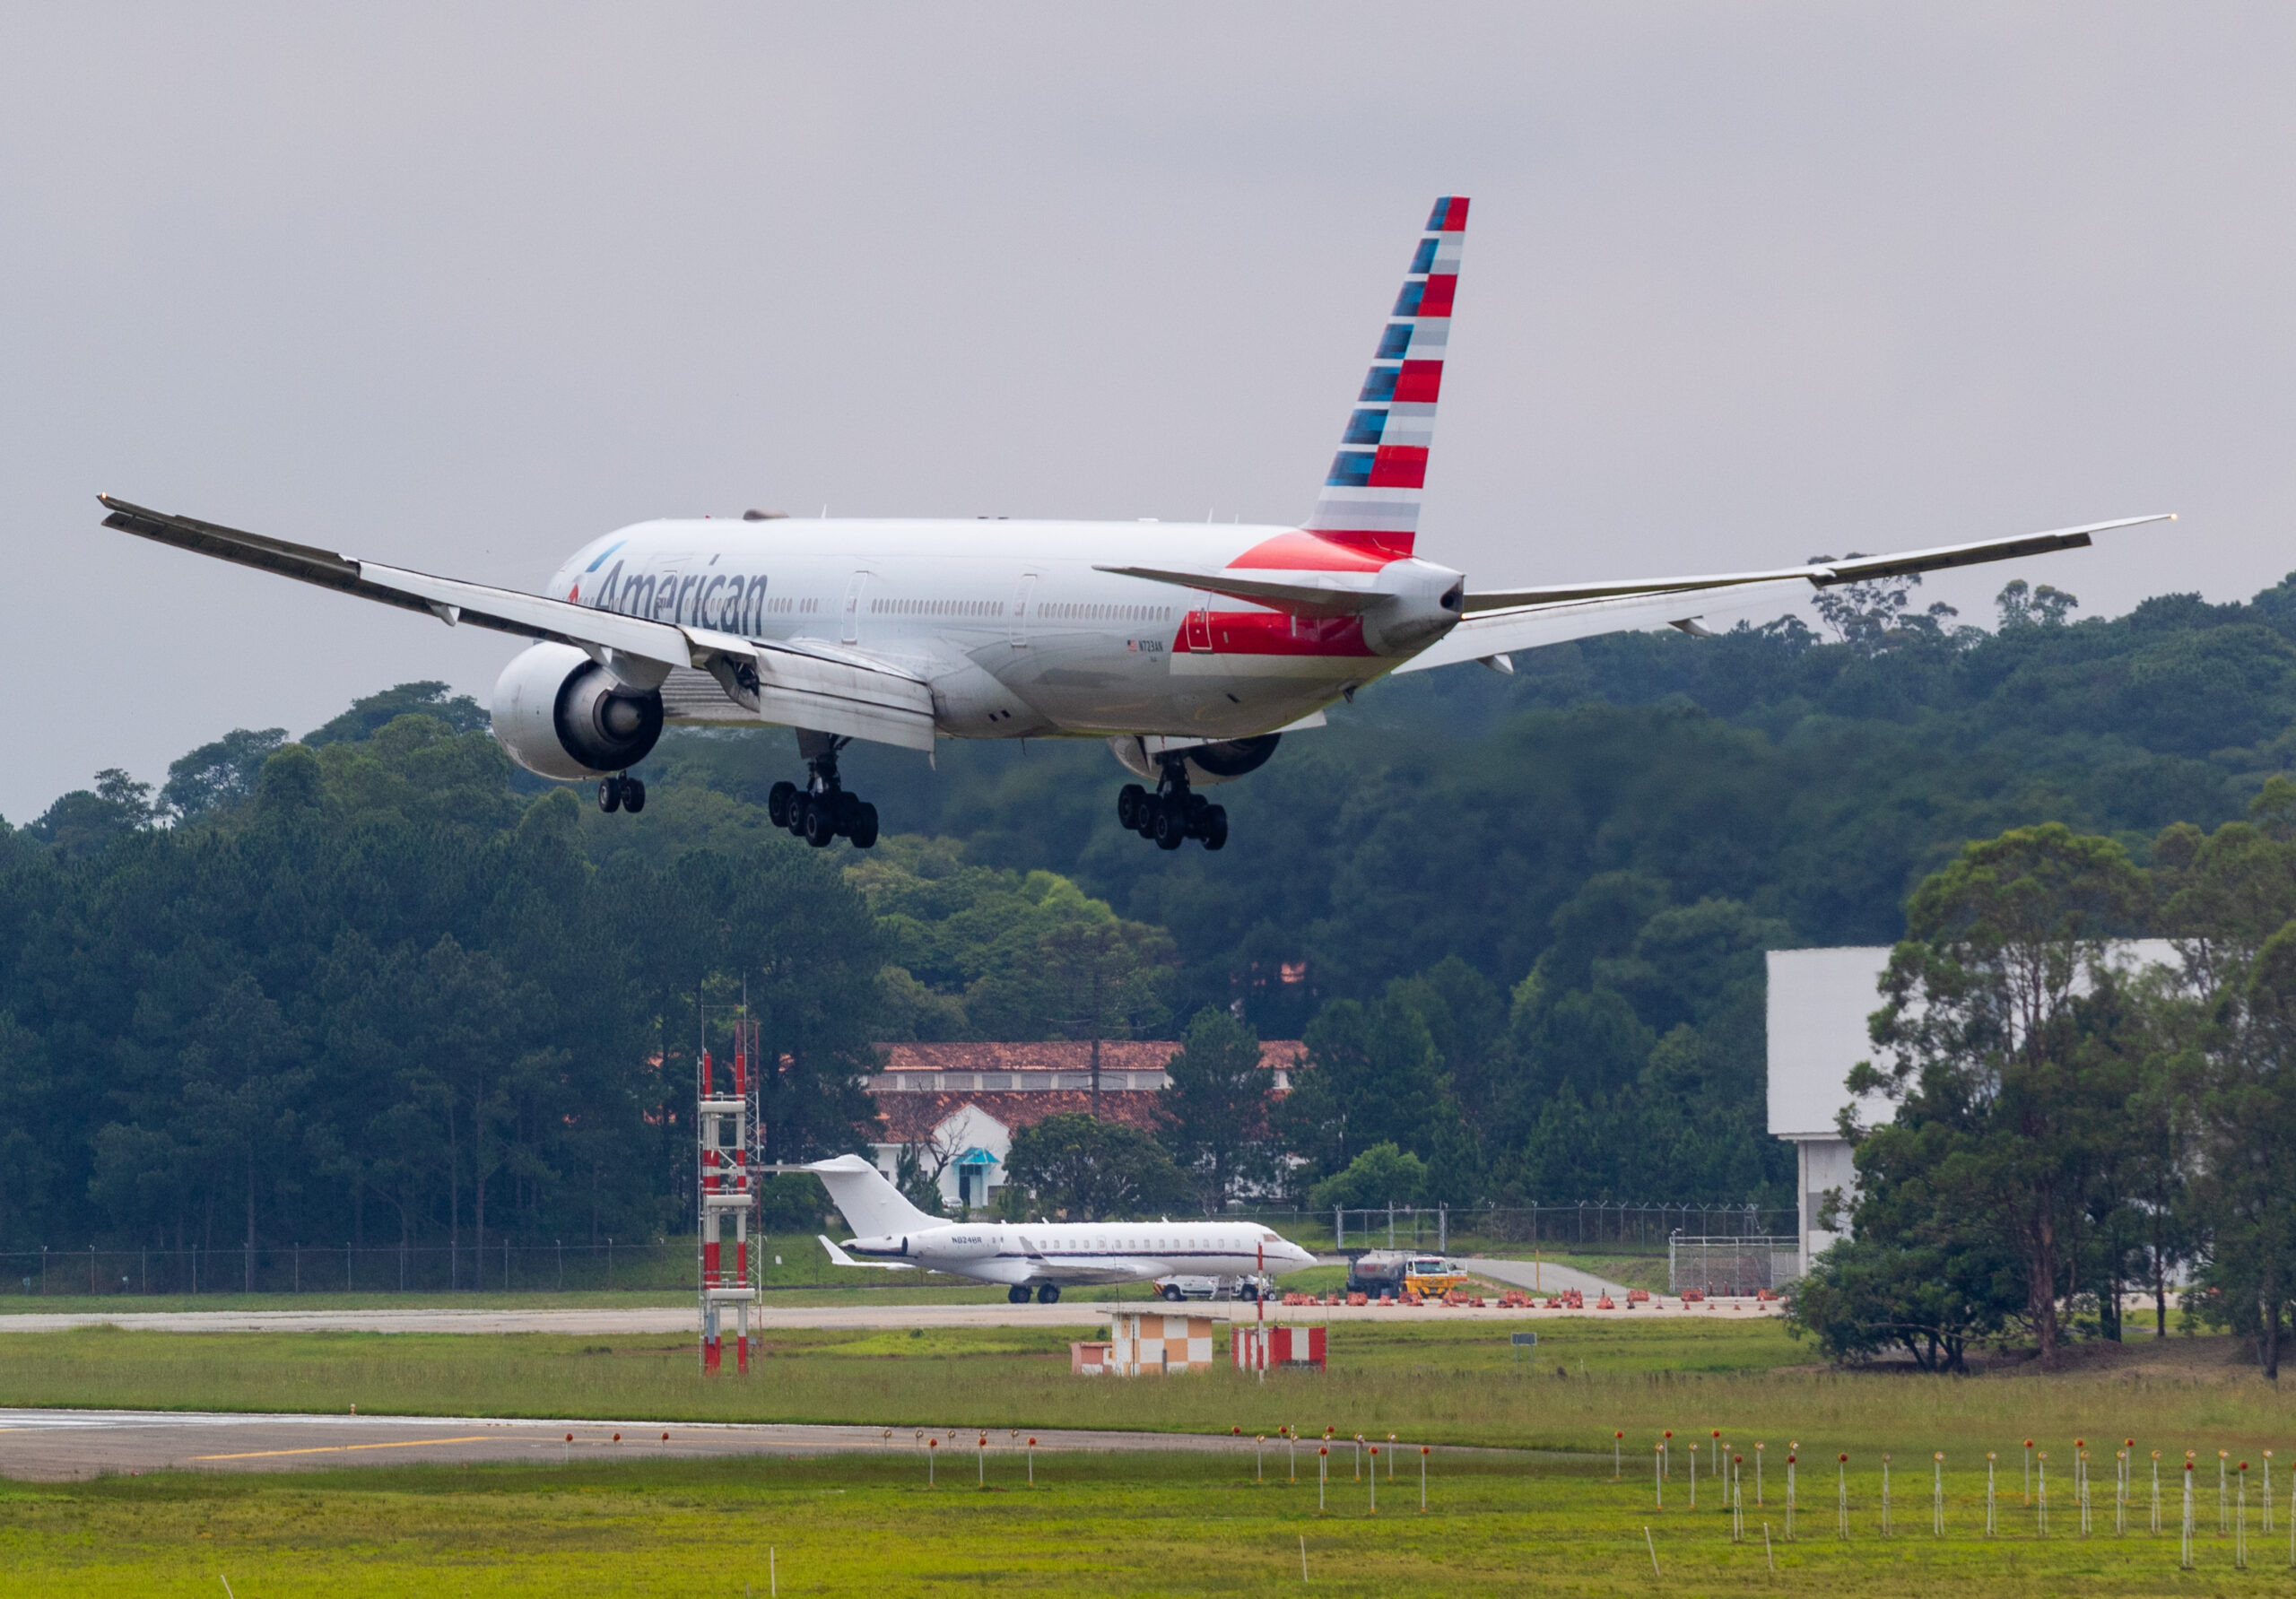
column 1128, row 802
column 1171, row 826
column 1049, row 1294
column 777, row 803
column 1173, row 1292
column 1016, row 1296
column 633, row 796
column 1216, row 827
column 801, row 808
column 1145, row 814
column 609, row 795
column 820, row 821
column 864, row 831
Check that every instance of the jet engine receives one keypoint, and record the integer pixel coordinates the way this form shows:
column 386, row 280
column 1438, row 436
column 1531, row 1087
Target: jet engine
column 1206, row 764
column 559, row 714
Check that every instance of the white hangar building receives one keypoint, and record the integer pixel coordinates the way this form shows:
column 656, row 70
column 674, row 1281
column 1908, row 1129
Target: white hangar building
column 1819, row 1003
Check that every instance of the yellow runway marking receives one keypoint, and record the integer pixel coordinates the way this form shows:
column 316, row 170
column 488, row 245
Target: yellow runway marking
column 412, row 1443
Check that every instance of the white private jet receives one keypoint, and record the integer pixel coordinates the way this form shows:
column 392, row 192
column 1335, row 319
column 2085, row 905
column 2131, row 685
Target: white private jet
column 1190, row 648
column 1042, row 1256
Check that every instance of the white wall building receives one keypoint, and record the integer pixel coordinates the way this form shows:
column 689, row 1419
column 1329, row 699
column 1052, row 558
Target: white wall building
column 1820, row 1001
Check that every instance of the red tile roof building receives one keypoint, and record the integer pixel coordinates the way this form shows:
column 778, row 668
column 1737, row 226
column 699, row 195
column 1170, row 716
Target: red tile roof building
column 959, row 1104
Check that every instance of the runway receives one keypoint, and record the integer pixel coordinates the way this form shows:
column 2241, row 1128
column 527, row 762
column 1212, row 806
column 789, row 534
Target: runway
column 60, row 1446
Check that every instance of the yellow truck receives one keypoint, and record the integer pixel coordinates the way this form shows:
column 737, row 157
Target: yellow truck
column 1391, row 1273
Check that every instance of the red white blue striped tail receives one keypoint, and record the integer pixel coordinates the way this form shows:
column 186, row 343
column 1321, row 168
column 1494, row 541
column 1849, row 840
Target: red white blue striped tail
column 1371, row 499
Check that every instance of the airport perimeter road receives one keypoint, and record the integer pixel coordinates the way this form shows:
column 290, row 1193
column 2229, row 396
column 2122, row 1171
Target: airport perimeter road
column 1546, row 1276
column 56, row 1446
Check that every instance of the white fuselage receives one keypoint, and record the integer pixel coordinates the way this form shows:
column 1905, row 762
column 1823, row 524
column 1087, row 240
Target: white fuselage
column 1020, row 1253
column 1009, row 623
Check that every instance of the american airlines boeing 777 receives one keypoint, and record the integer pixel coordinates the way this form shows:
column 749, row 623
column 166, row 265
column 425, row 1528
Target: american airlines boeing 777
column 1191, row 648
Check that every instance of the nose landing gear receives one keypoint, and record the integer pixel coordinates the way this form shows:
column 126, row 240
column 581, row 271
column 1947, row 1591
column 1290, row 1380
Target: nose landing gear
column 821, row 810
column 1173, row 815
column 624, row 793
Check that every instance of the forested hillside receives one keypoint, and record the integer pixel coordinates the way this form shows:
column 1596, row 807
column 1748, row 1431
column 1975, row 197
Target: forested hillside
column 377, row 984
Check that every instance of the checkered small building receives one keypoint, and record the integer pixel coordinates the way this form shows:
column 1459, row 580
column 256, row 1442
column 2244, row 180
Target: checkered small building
column 1149, row 1343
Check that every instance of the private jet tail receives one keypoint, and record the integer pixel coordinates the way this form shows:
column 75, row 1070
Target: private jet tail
column 871, row 1206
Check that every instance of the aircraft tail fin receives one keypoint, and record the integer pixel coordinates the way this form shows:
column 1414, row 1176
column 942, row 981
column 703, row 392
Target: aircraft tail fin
column 871, row 1205
column 1371, row 498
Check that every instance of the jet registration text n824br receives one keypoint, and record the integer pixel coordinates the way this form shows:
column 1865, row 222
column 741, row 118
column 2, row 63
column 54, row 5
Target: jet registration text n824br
column 1191, row 648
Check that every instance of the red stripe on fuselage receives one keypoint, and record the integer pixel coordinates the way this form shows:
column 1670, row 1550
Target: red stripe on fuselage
column 1273, row 633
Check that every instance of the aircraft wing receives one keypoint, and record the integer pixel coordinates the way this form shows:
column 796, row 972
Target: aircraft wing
column 1088, row 1271
column 839, row 1258
column 821, row 686
column 1499, row 620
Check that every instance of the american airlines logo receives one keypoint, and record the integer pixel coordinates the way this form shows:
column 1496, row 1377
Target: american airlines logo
column 730, row 601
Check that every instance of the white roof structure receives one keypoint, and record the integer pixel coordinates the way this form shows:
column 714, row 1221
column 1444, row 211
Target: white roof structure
column 1819, row 1003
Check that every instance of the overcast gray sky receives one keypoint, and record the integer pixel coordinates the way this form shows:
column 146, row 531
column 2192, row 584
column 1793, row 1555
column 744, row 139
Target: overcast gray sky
column 459, row 288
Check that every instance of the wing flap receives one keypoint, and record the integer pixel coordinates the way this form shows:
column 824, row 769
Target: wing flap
column 866, row 702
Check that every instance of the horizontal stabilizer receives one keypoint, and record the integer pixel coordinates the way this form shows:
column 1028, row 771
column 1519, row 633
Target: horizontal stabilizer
column 1333, row 593
column 839, row 1258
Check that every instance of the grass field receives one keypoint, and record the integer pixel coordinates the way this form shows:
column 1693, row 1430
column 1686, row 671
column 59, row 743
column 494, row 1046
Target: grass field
column 1123, row 1524
column 1116, row 1525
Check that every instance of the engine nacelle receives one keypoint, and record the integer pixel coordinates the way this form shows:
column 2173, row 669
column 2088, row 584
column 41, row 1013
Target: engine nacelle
column 1206, row 764
column 560, row 714
column 1421, row 603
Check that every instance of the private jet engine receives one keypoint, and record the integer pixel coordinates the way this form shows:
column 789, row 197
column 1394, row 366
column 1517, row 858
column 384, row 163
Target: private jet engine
column 559, row 714
column 1174, row 812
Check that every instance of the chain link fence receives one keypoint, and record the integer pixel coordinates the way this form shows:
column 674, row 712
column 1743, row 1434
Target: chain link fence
column 1732, row 1267
column 1597, row 1226
column 500, row 1267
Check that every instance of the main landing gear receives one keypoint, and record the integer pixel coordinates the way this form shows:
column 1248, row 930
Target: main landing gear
column 1017, row 1296
column 624, row 793
column 821, row 810
column 1049, row 1294
column 1173, row 815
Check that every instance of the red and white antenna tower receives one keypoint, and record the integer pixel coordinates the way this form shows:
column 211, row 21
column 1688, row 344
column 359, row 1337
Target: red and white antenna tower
column 727, row 1128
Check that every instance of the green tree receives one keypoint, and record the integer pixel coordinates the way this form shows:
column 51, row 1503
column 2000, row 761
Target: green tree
column 1999, row 1019
column 1372, row 1076
column 223, row 773
column 1863, row 1297
column 1081, row 1169
column 1215, row 1108
column 2248, row 1165
column 1381, row 1175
